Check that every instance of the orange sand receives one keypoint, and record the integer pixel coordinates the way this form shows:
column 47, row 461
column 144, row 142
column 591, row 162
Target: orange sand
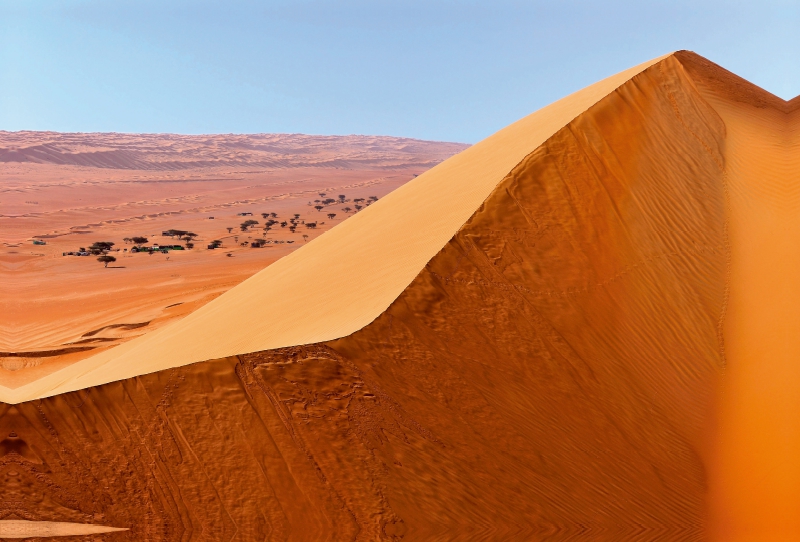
column 755, row 473
column 578, row 329
column 357, row 270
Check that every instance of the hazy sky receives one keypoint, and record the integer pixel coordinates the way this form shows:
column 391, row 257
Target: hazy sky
column 432, row 69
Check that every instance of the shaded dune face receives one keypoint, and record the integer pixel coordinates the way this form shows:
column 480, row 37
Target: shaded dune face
column 553, row 372
column 755, row 475
column 567, row 337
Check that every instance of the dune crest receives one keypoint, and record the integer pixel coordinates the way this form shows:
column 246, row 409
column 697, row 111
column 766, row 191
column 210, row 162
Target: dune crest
column 380, row 250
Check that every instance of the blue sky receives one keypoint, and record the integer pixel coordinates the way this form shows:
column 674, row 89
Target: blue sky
column 431, row 69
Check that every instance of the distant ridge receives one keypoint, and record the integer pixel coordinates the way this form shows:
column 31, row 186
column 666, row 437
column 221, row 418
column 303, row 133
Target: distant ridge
column 157, row 152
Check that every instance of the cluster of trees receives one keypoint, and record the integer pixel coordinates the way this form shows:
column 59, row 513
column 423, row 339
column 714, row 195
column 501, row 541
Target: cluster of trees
column 358, row 203
column 247, row 224
column 269, row 223
column 181, row 234
column 293, row 222
column 136, row 240
column 100, row 249
column 321, row 203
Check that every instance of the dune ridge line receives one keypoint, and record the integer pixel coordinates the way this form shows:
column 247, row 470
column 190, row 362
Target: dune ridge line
column 343, row 280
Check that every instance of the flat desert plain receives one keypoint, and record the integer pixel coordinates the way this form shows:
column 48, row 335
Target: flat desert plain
column 72, row 190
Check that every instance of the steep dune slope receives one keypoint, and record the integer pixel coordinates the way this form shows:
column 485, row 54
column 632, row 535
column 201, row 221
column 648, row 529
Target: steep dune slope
column 755, row 473
column 356, row 272
column 600, row 349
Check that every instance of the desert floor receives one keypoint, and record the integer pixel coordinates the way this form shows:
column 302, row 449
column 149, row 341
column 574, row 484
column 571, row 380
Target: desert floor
column 77, row 189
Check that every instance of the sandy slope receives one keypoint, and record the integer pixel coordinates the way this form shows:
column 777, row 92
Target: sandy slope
column 357, row 269
column 591, row 339
column 756, row 473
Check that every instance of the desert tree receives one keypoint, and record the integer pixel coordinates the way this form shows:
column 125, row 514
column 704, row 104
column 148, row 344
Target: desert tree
column 106, row 259
column 176, row 233
column 358, row 207
column 331, row 215
column 139, row 240
column 230, row 230
column 347, row 209
column 318, row 207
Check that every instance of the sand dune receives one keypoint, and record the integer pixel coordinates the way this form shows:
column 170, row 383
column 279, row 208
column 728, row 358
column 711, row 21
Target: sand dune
column 170, row 152
column 579, row 328
column 357, row 270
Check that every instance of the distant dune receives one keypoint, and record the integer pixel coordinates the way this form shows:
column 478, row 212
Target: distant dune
column 170, row 152
column 580, row 328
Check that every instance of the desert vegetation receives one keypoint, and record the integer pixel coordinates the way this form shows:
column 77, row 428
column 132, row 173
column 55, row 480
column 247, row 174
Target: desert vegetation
column 247, row 224
column 106, row 259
